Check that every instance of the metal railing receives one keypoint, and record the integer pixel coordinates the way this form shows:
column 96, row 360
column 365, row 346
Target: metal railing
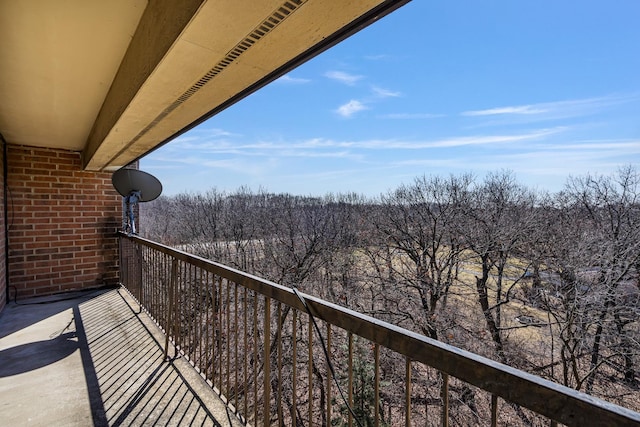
column 260, row 347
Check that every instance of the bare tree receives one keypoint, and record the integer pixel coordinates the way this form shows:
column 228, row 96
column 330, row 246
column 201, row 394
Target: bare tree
column 499, row 218
column 597, row 268
column 417, row 226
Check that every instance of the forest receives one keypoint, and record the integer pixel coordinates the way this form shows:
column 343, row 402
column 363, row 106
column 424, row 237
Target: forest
column 545, row 282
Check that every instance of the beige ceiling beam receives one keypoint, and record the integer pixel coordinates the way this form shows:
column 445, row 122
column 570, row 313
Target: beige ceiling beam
column 173, row 78
column 160, row 26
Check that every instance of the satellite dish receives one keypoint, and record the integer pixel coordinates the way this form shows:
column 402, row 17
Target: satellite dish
column 135, row 186
column 127, row 180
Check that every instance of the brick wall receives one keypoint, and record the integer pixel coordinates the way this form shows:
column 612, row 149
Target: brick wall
column 62, row 223
column 3, row 272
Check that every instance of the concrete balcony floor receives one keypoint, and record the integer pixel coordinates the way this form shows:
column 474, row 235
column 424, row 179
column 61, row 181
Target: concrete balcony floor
column 89, row 359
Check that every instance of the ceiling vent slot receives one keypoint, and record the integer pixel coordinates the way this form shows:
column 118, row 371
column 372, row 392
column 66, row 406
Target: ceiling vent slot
column 256, row 34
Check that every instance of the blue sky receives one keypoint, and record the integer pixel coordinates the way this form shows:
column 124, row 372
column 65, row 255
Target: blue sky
column 547, row 89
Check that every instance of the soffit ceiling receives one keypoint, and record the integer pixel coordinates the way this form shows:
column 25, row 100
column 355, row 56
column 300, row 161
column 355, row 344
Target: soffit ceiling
column 116, row 79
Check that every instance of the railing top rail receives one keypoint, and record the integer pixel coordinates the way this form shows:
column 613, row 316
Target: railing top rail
column 547, row 398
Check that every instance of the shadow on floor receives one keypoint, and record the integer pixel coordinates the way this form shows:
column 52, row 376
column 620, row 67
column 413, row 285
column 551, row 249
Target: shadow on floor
column 128, row 381
column 35, row 355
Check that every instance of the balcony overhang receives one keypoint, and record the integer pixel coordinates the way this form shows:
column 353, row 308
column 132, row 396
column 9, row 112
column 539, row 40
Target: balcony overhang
column 117, row 79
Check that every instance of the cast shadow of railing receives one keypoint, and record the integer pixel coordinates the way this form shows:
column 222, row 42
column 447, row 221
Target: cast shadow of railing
column 129, row 381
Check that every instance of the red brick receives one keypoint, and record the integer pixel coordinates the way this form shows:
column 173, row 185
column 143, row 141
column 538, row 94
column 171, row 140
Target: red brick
column 59, row 238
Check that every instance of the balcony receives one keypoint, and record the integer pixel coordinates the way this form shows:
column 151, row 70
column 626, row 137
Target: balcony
column 185, row 340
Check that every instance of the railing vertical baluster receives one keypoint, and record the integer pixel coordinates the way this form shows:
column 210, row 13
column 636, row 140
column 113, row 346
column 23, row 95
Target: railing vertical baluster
column 176, row 312
column 143, row 260
column 207, row 342
column 328, row 374
column 154, row 278
column 175, row 298
column 151, row 279
column 185, row 308
column 181, row 306
column 279, row 355
column 255, row 359
column 163, row 290
column 426, row 408
column 189, row 309
column 163, row 294
column 193, row 315
column 203, row 319
column 267, row 360
column 169, row 324
column 494, row 410
column 155, row 291
column 245, row 355
column 193, row 336
column 407, row 395
column 151, row 298
column 215, row 325
column 376, row 387
column 444, row 393
column 235, row 337
column 294, row 343
column 221, row 337
column 139, row 271
column 310, row 373
column 350, row 375
column 122, row 268
column 167, row 262
column 227, row 390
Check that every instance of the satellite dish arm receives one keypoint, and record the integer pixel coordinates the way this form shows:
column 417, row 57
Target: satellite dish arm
column 132, row 198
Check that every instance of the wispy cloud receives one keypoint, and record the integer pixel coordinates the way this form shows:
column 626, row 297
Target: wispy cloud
column 287, row 79
column 385, row 93
column 523, row 109
column 320, row 146
column 548, row 154
column 356, row 105
column 554, row 110
column 410, row 116
column 350, row 108
column 494, row 139
column 201, row 134
column 379, row 57
column 342, row 77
